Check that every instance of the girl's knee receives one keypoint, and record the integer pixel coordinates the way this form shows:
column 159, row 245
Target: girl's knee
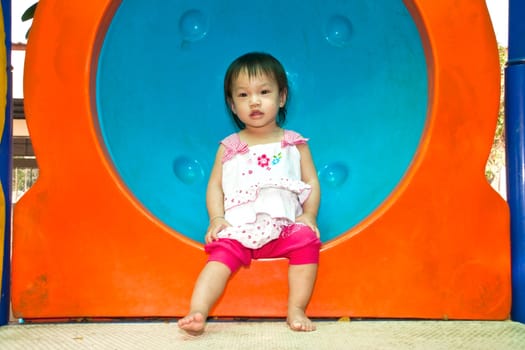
column 231, row 263
column 229, row 252
column 308, row 254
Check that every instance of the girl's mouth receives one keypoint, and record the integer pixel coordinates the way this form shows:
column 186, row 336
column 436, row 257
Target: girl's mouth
column 256, row 113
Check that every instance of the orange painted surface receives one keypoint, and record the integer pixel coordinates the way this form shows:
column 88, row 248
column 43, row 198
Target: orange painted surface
column 437, row 248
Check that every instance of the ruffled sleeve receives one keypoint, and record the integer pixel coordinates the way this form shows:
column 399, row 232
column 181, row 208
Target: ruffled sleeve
column 233, row 145
column 291, row 138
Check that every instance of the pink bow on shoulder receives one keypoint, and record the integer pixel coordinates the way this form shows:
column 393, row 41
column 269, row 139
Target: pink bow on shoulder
column 292, row 138
column 233, row 146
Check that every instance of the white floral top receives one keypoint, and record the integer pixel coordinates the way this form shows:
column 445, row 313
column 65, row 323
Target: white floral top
column 262, row 188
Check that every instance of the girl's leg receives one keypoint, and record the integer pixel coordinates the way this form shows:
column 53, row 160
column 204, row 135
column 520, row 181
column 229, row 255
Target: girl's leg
column 225, row 257
column 301, row 246
column 301, row 281
column 208, row 288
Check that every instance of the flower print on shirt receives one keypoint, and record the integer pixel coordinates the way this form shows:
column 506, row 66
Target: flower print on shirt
column 277, row 158
column 263, row 161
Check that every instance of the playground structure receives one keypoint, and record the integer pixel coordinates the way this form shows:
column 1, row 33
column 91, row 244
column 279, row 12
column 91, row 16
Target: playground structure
column 430, row 242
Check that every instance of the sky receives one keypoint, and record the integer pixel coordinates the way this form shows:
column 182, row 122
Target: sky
column 499, row 14
column 498, row 10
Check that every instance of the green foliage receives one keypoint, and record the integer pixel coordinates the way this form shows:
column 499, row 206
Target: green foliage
column 29, row 14
column 496, row 161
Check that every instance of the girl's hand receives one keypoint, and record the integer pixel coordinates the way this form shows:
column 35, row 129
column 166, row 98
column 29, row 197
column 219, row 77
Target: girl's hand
column 217, row 224
column 310, row 221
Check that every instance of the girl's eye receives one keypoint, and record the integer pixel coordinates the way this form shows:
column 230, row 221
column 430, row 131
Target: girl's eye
column 264, row 92
column 242, row 94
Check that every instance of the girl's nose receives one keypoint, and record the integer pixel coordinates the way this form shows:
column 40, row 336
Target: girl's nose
column 255, row 100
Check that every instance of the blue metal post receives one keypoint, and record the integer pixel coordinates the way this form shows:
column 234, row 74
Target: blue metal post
column 5, row 171
column 515, row 134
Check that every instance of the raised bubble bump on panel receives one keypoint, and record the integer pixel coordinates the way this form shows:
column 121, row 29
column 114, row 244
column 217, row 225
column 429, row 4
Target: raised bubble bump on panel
column 338, row 31
column 193, row 25
column 187, row 170
column 334, row 174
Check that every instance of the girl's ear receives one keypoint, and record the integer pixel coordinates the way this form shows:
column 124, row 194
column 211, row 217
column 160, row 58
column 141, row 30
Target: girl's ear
column 282, row 97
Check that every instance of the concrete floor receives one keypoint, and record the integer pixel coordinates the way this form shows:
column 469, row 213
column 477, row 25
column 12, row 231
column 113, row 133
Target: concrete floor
column 369, row 334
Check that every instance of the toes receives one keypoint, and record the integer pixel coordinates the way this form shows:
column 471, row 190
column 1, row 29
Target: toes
column 296, row 326
column 302, row 326
column 186, row 320
column 192, row 324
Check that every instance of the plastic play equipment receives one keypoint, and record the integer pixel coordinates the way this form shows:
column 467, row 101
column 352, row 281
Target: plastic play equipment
column 177, row 148
column 515, row 120
column 5, row 160
column 118, row 100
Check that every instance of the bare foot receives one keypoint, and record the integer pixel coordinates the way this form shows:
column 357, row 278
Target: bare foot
column 297, row 321
column 193, row 324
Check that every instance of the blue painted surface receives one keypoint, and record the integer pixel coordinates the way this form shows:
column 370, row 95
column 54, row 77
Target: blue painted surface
column 5, row 172
column 515, row 134
column 516, row 30
column 358, row 90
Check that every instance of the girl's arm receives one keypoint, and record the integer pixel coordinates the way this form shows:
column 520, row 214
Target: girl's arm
column 215, row 199
column 309, row 176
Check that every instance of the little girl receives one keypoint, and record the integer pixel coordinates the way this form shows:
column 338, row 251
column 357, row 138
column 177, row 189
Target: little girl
column 262, row 196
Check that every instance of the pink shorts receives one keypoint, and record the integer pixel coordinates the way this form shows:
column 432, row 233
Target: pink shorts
column 297, row 242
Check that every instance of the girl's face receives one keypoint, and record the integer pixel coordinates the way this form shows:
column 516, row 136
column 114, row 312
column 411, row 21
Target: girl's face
column 256, row 100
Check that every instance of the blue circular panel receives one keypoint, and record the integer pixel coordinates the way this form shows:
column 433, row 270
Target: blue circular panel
column 358, row 90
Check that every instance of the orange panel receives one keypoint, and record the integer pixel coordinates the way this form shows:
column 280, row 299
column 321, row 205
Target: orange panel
column 437, row 248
